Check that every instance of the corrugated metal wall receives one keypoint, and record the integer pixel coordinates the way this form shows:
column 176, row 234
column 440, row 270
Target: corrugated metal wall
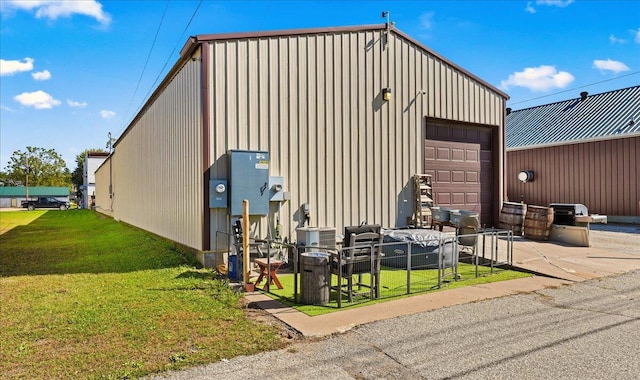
column 602, row 175
column 103, row 179
column 314, row 101
column 157, row 164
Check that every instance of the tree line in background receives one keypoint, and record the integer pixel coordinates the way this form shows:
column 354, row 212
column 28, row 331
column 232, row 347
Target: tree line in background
column 36, row 167
column 43, row 167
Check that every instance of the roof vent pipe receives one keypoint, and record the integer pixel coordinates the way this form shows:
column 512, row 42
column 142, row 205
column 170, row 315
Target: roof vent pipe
column 508, row 111
column 583, row 95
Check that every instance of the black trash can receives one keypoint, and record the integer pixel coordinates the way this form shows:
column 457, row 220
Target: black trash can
column 315, row 278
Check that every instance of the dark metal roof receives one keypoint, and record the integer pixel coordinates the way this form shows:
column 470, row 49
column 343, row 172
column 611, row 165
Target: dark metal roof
column 602, row 116
column 98, row 154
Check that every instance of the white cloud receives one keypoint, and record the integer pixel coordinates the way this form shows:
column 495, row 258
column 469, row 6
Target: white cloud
column 15, row 66
column 541, row 78
column 426, row 20
column 530, row 8
column 107, row 114
column 635, row 36
column 38, row 100
column 5, row 108
column 615, row 40
column 555, row 3
column 41, row 75
column 52, row 9
column 610, row 65
column 72, row 103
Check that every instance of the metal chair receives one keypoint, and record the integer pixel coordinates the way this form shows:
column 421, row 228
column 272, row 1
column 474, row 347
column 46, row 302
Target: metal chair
column 361, row 254
column 448, row 259
column 467, row 232
column 255, row 245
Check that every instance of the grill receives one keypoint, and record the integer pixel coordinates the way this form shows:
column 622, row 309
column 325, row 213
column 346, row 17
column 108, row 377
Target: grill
column 565, row 213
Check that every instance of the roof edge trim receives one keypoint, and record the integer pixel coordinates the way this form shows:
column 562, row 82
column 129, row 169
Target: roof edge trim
column 288, row 32
column 572, row 142
column 189, row 46
column 341, row 29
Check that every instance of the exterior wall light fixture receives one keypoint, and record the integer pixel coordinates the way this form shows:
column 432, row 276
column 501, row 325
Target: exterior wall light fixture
column 386, row 94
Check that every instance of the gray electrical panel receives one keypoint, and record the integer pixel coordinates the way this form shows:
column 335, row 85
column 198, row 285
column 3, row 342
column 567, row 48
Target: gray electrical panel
column 276, row 189
column 249, row 179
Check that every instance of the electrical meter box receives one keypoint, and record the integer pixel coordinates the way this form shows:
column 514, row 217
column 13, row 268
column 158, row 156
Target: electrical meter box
column 218, row 193
column 276, row 189
column 249, row 179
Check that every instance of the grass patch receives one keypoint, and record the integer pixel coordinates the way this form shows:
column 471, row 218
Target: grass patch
column 84, row 296
column 12, row 219
column 393, row 286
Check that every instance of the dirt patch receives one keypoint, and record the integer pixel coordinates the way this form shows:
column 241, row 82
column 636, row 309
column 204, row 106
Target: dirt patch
column 287, row 333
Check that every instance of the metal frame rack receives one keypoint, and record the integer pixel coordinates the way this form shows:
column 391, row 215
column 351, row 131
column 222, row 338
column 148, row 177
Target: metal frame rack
column 423, row 199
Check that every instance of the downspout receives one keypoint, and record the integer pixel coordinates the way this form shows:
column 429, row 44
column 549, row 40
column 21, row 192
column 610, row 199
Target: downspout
column 111, row 156
column 503, row 158
column 206, row 158
column 385, row 58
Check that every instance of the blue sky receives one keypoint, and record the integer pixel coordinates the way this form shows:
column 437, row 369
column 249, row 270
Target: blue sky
column 71, row 72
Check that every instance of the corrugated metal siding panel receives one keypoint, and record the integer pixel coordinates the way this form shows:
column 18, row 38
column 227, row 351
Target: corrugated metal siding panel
column 599, row 116
column 158, row 164
column 452, row 95
column 102, row 176
column 602, row 175
column 315, row 103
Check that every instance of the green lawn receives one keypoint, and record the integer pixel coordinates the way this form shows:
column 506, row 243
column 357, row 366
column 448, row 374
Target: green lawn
column 393, row 286
column 17, row 218
column 83, row 296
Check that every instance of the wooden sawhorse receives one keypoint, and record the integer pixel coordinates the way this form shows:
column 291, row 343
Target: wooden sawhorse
column 273, row 272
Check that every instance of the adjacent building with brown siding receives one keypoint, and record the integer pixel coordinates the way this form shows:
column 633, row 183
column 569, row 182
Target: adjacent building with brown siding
column 314, row 100
column 583, row 150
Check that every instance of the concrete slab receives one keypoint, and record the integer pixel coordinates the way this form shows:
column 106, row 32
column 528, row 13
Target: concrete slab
column 572, row 263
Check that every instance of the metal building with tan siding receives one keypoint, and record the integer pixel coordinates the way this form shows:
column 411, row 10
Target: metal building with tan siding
column 347, row 115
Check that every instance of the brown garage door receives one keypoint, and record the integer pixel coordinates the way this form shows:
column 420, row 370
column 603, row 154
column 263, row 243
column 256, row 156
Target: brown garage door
column 459, row 158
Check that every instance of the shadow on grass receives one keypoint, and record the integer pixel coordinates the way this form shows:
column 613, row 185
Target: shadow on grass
column 83, row 241
column 197, row 275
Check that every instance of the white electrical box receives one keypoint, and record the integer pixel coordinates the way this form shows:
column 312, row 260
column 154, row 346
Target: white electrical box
column 320, row 236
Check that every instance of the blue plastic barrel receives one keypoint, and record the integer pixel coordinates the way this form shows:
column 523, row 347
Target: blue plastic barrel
column 233, row 267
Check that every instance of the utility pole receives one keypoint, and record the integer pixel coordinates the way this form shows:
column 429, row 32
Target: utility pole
column 27, row 171
column 110, row 147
